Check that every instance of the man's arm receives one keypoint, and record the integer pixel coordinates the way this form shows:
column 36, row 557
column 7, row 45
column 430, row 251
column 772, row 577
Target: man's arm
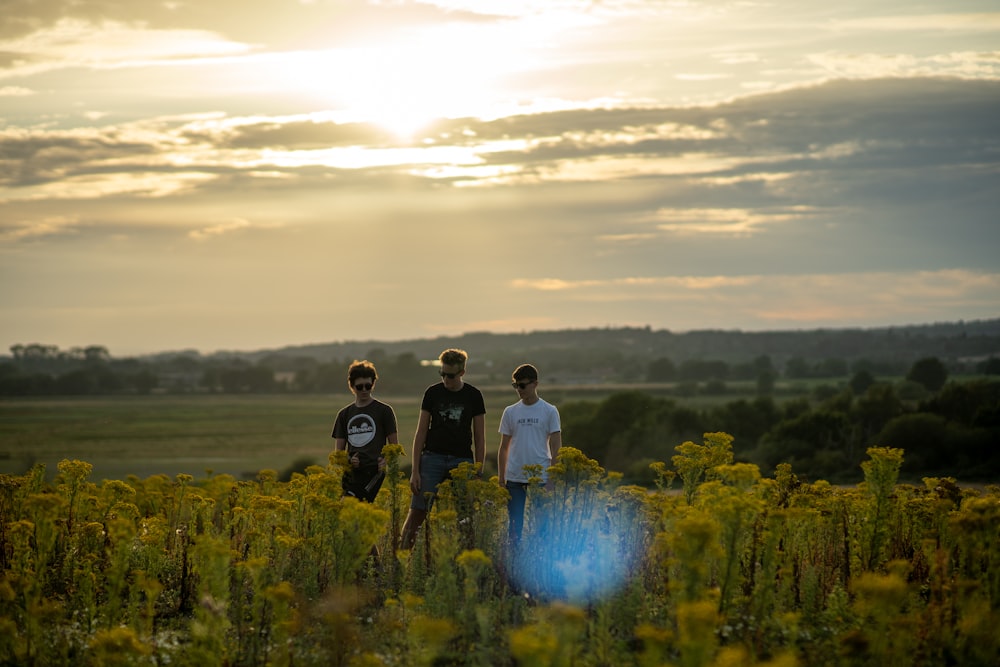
column 555, row 442
column 502, row 454
column 419, row 439
column 479, row 440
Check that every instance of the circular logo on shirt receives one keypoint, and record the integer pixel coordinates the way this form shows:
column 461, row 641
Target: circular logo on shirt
column 360, row 430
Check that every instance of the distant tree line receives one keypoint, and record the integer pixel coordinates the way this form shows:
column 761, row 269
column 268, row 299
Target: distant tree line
column 593, row 351
column 945, row 428
column 45, row 370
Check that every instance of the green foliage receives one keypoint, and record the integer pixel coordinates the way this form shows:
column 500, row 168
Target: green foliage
column 860, row 382
column 929, row 372
column 736, row 569
column 695, row 462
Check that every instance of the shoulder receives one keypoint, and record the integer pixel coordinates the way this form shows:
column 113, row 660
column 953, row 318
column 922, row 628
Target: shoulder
column 472, row 393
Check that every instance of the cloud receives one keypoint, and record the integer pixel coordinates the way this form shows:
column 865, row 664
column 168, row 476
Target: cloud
column 773, row 301
column 732, row 221
column 21, row 232
column 702, row 77
column 957, row 21
column 901, row 124
column 656, row 283
column 218, row 230
column 16, row 91
column 799, row 175
column 966, row 64
column 276, row 22
column 73, row 43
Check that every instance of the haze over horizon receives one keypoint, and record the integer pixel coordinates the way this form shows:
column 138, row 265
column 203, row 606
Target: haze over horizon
column 230, row 176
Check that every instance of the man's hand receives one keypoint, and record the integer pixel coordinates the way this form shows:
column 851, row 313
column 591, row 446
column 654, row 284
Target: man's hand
column 415, row 482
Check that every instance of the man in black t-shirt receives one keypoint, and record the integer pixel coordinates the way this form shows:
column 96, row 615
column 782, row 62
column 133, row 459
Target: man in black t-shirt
column 451, row 430
column 363, row 428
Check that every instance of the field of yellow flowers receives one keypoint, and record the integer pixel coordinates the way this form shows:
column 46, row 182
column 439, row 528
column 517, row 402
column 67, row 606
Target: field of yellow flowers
column 729, row 569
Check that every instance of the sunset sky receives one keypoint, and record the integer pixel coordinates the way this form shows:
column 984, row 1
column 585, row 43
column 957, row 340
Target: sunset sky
column 233, row 175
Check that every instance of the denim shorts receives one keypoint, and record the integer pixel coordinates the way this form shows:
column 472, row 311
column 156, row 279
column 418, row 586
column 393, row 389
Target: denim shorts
column 434, row 469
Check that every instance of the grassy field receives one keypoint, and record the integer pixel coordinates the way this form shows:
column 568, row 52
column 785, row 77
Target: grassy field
column 237, row 434
column 143, row 436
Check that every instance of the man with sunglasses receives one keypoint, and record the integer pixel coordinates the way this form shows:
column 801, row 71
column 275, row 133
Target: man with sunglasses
column 451, row 430
column 363, row 428
column 530, row 435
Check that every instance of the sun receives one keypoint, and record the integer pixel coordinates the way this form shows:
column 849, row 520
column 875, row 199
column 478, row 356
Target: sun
column 404, row 83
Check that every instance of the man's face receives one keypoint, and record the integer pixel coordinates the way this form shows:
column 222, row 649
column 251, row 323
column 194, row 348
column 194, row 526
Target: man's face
column 526, row 388
column 451, row 376
column 363, row 386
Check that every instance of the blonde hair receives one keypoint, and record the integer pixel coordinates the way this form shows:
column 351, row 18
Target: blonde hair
column 453, row 357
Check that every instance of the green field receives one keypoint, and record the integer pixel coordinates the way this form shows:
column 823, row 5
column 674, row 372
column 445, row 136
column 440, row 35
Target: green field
column 238, row 434
column 143, row 436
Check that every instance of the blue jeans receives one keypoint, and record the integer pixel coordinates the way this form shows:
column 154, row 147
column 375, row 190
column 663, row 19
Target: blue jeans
column 434, row 469
column 515, row 510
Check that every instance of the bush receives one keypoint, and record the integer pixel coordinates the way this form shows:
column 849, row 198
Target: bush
column 929, row 372
column 738, row 569
column 924, row 437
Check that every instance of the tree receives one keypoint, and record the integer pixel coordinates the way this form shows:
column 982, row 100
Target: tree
column 661, row 370
column 929, row 372
column 924, row 437
column 796, row 368
column 990, row 367
column 765, row 382
column 801, row 440
column 875, row 408
column 831, row 368
column 700, row 369
column 860, row 382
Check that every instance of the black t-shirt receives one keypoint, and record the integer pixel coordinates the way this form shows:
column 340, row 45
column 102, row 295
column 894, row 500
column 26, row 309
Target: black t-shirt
column 451, row 413
column 366, row 429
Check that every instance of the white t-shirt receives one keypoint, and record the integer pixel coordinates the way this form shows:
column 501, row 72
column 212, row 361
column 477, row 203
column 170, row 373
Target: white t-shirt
column 529, row 427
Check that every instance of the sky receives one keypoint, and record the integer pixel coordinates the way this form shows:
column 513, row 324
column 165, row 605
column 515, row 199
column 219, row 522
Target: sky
column 231, row 175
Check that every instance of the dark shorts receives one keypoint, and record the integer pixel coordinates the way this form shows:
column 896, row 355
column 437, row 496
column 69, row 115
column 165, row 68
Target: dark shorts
column 363, row 483
column 434, row 469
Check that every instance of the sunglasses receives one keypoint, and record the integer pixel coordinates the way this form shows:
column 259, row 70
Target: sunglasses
column 523, row 385
column 364, row 386
column 450, row 376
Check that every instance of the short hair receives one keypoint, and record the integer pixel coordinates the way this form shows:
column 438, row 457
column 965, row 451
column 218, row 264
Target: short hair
column 453, row 357
column 525, row 372
column 361, row 369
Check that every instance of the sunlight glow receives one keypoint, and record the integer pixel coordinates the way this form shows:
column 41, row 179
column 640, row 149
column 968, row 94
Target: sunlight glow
column 408, row 80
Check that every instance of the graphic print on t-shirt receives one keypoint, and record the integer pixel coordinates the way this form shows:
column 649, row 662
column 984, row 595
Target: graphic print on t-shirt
column 451, row 413
column 360, row 430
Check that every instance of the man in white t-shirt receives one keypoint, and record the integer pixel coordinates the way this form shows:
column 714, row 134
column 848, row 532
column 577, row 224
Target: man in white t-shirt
column 530, row 434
